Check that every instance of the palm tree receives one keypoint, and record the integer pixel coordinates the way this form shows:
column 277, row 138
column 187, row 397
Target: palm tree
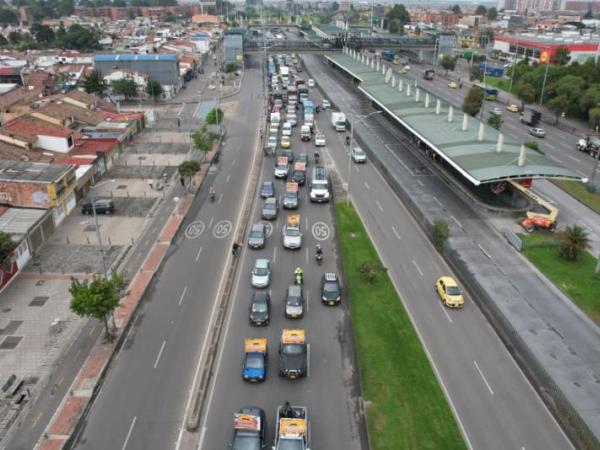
column 574, row 240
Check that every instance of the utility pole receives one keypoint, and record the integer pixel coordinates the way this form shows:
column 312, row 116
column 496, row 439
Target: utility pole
column 514, row 66
column 544, row 82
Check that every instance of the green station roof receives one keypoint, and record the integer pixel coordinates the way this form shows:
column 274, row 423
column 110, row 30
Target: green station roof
column 477, row 160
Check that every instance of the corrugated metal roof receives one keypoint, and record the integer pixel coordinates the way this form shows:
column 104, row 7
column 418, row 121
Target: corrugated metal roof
column 476, row 160
column 135, row 57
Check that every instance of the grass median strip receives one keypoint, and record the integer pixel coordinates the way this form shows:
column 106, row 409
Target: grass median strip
column 406, row 408
column 575, row 278
column 580, row 192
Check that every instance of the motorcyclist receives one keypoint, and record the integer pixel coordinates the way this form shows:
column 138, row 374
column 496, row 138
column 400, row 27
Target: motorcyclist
column 347, row 140
column 298, row 275
column 319, row 250
column 212, row 192
column 317, row 156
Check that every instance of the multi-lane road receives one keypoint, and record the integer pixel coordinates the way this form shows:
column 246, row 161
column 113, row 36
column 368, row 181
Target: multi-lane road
column 495, row 405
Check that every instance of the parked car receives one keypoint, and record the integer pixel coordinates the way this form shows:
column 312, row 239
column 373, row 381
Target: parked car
column 101, row 205
column 537, row 132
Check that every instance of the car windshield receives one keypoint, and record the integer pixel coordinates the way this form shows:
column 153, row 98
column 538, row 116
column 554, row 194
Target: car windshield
column 292, row 232
column 269, row 206
column 267, row 187
column 294, row 301
column 330, row 288
column 358, row 152
column 259, row 307
column 452, row 290
column 290, row 444
column 256, row 233
column 293, row 349
column 246, row 440
column 254, row 362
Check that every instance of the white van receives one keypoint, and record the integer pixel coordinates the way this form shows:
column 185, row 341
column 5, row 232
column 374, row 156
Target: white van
column 287, row 129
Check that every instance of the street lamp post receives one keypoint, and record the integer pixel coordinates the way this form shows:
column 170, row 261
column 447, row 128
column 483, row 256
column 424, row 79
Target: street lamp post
column 97, row 226
column 361, row 118
column 544, row 82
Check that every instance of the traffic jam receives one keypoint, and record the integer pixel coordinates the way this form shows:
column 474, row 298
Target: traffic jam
column 293, row 179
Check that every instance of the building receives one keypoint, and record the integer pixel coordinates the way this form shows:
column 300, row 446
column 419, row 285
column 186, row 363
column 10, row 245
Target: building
column 542, row 47
column 581, row 6
column 163, row 68
column 233, row 49
column 39, row 185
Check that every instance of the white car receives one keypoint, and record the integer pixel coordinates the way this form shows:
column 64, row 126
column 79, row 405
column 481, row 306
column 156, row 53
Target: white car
column 496, row 111
column 320, row 140
column 311, row 83
column 358, row 155
column 287, row 129
column 326, row 104
column 291, row 118
column 261, row 273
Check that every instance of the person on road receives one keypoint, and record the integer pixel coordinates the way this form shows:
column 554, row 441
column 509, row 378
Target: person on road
column 213, row 193
column 347, row 140
column 319, row 250
column 235, row 248
column 298, row 276
column 317, row 156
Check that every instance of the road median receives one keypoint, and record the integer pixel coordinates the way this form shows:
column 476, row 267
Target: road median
column 405, row 406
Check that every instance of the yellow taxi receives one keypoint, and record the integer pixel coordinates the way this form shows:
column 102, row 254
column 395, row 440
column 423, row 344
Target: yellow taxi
column 402, row 71
column 449, row 292
column 512, row 108
column 286, row 142
column 453, row 85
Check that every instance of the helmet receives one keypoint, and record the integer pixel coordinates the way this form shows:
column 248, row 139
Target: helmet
column 318, row 246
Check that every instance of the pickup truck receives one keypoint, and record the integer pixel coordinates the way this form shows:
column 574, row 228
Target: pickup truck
column 292, row 429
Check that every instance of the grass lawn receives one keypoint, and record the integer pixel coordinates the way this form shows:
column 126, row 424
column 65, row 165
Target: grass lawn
column 579, row 191
column 406, row 406
column 575, row 279
column 500, row 83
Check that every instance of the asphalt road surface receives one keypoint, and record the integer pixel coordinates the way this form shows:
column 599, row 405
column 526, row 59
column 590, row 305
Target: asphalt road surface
column 494, row 403
column 143, row 400
column 330, row 392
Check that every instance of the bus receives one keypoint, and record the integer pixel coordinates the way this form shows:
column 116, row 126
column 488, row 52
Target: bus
column 490, row 93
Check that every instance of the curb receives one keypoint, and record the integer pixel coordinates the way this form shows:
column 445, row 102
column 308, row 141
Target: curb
column 67, row 422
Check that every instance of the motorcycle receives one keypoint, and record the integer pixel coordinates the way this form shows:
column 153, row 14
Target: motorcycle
column 213, row 196
column 319, row 258
column 299, row 279
column 317, row 156
column 347, row 140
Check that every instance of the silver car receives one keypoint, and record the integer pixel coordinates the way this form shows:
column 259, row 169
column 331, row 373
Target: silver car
column 358, row 155
column 294, row 302
column 270, row 209
column 258, row 236
column 261, row 273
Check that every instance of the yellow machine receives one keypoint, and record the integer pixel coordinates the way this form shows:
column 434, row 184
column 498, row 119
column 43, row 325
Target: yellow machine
column 543, row 215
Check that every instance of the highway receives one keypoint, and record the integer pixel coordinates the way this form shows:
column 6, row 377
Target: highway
column 330, row 391
column 142, row 402
column 494, row 403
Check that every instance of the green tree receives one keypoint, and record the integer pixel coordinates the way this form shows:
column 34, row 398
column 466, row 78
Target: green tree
column 187, row 169
column 526, row 94
column 533, row 145
column 448, row 63
column 14, row 37
column 154, row 89
column 214, row 116
column 456, row 9
column 473, row 101
column 42, row 33
column 476, row 73
column 125, row 87
column 594, row 117
column 230, row 67
column 561, row 57
column 94, row 83
column 8, row 17
column 3, row 41
column 7, row 245
column 370, row 270
column 204, row 139
column 441, row 233
column 589, row 99
column 97, row 298
column 558, row 105
column 80, row 38
column 492, row 13
column 481, row 10
column 573, row 241
column 397, row 17
column 495, row 121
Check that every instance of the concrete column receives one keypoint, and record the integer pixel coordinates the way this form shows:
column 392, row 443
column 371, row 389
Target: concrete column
column 521, row 162
column 481, row 131
column 400, row 83
column 450, row 113
column 417, row 94
column 408, row 90
column 393, row 81
column 372, row 63
column 500, row 142
column 426, row 99
column 465, row 124
column 415, row 83
column 377, row 66
column 438, row 107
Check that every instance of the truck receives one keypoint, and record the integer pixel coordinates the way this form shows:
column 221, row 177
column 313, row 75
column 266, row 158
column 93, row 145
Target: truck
column 319, row 185
column 338, row 120
column 305, row 134
column 530, row 117
column 589, row 145
column 428, row 74
column 292, row 429
column 387, row 55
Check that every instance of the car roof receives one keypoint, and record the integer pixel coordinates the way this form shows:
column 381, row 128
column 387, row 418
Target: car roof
column 294, row 289
column 271, row 200
column 258, row 225
column 267, row 183
column 448, row 281
column 260, row 296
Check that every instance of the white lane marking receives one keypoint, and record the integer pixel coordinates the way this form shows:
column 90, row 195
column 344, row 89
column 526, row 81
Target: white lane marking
column 220, row 199
column 436, row 200
column 483, row 251
column 420, row 183
column 573, row 158
column 417, row 267
column 581, row 173
column 396, row 232
column 182, row 295
column 181, row 109
column 198, row 254
column 307, row 256
column 483, row 377
column 554, row 158
column 308, row 360
column 202, row 433
column 129, row 433
column 367, row 185
column 212, row 219
column 307, row 297
column 228, row 178
column 274, row 255
column 445, row 312
column 356, row 168
column 456, row 220
column 233, row 162
column 379, row 205
column 162, row 347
